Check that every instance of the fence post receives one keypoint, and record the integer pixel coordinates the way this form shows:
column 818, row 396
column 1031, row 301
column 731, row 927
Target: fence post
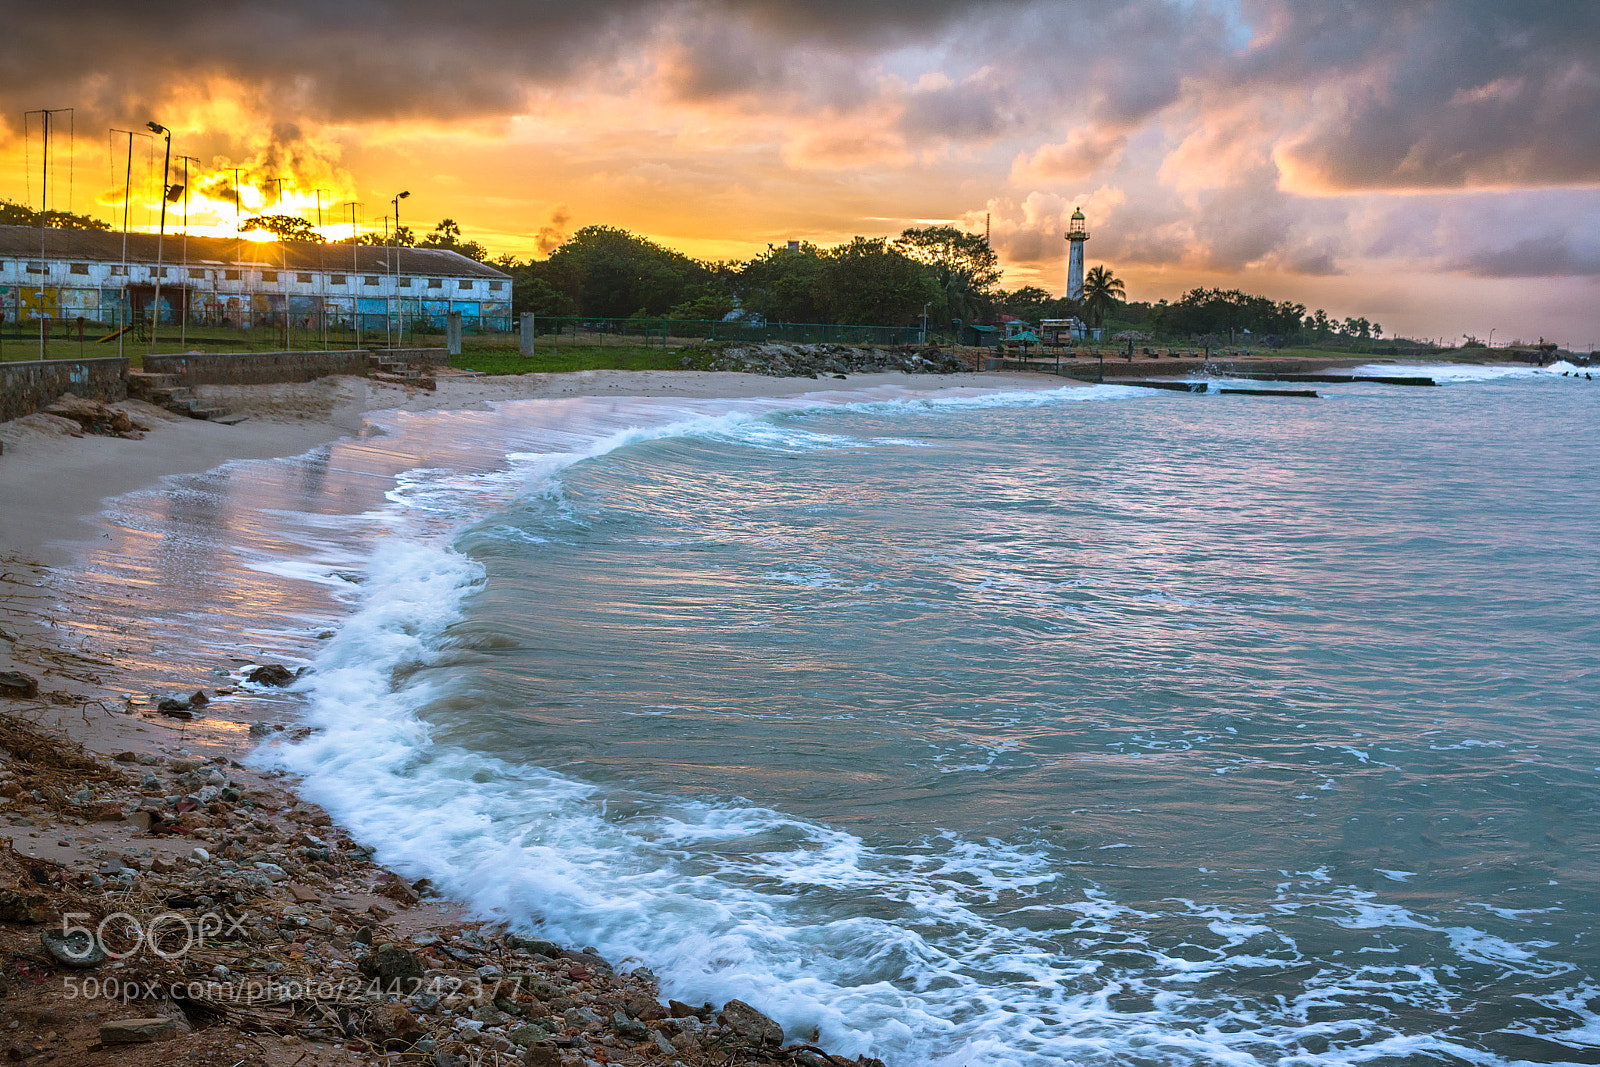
column 525, row 343
column 452, row 332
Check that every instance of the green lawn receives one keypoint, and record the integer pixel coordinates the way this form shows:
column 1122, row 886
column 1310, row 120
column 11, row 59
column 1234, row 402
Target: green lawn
column 505, row 359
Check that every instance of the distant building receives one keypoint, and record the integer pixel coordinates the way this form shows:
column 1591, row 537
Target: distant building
column 1065, row 331
column 231, row 282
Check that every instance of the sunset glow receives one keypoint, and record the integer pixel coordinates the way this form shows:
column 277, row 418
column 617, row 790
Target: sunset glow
column 1433, row 167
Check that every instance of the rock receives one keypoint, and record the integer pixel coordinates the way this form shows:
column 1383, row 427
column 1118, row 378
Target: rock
column 397, row 890
column 273, row 871
column 199, row 855
column 139, row 820
column 664, row 1046
column 304, row 894
column 542, row 1054
column 392, row 964
column 175, row 707
column 628, row 1028
column 18, row 685
column 534, row 945
column 136, row 1031
column 273, row 674
column 750, row 1024
column 199, row 699
column 395, row 1026
column 643, row 1007
column 75, row 949
column 17, row 906
column 679, row 1010
column 580, row 1018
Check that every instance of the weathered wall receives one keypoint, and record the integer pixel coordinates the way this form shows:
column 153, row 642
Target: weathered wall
column 26, row 387
column 417, row 357
column 257, row 368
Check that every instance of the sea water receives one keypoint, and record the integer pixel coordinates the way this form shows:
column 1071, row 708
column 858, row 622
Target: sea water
column 1093, row 725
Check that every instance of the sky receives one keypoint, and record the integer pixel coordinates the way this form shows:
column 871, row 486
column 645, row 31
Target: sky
column 1433, row 165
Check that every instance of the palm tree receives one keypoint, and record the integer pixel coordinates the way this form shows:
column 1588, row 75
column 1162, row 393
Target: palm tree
column 1102, row 291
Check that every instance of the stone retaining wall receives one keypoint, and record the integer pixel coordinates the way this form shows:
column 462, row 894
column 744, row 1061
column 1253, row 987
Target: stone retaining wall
column 258, row 368
column 29, row 386
column 417, row 357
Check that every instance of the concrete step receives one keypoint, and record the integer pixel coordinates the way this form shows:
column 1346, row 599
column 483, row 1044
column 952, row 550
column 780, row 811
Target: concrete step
column 230, row 420
column 145, row 386
column 208, row 414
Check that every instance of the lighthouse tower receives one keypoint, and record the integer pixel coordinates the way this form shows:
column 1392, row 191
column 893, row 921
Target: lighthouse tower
column 1076, row 235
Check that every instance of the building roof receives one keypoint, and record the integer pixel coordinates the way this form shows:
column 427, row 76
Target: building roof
column 105, row 246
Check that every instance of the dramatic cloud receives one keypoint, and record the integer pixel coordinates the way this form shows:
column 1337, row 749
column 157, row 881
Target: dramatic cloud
column 1287, row 143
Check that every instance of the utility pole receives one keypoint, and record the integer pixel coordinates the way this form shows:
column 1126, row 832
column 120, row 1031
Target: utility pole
column 355, row 272
column 322, row 276
column 238, row 242
column 183, row 327
column 127, row 202
column 44, row 217
column 283, row 249
column 166, row 165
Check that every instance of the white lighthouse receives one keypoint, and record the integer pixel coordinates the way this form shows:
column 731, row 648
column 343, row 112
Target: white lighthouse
column 1076, row 235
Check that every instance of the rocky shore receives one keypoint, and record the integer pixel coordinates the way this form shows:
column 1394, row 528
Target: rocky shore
column 825, row 360
column 159, row 906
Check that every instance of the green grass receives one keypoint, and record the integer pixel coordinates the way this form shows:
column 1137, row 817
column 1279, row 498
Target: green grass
column 496, row 359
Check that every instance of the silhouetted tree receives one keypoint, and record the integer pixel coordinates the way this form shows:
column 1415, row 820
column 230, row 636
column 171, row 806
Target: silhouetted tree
column 14, row 214
column 1102, row 291
column 287, row 227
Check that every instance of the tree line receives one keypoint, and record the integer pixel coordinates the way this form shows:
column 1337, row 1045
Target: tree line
column 1231, row 315
column 607, row 272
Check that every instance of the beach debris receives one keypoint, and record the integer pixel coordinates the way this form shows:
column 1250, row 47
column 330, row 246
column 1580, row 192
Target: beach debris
column 273, row 674
column 137, row 1031
column 18, row 685
column 74, row 948
column 176, row 705
column 96, row 418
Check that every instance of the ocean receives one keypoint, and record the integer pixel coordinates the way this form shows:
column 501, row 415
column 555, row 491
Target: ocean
column 1094, row 725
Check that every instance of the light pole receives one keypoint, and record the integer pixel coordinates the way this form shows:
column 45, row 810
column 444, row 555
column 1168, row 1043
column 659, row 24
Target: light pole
column 166, row 163
column 925, row 308
column 394, row 269
column 1491, row 337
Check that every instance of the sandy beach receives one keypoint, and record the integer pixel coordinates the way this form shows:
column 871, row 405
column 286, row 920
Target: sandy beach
column 109, row 813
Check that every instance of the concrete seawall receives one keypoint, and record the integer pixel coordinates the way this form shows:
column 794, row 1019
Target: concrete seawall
column 27, row 387
column 257, row 368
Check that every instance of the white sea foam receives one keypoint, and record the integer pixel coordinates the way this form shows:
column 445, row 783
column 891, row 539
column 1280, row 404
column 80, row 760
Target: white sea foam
column 1453, row 373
